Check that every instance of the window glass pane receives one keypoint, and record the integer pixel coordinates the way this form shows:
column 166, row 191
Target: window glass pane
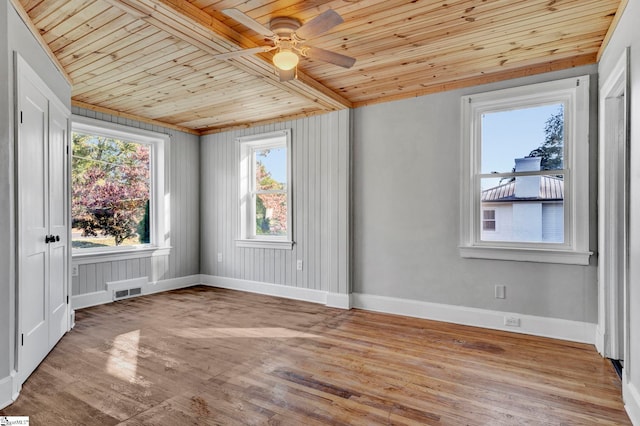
column 524, row 209
column 271, row 214
column 489, row 225
column 110, row 192
column 523, row 133
column 271, row 169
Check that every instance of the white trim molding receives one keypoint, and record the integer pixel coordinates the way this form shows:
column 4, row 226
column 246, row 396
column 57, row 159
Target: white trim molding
column 106, row 296
column 278, row 290
column 265, row 244
column 247, row 148
column 574, row 331
column 159, row 207
column 573, row 94
column 526, row 255
column 338, row 300
column 80, row 258
column 331, row 300
column 9, row 390
column 613, row 208
column 631, row 397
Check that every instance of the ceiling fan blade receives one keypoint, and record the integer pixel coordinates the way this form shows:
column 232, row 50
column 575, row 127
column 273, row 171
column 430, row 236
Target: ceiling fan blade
column 320, row 24
column 287, row 75
column 329, row 56
column 244, row 52
column 248, row 22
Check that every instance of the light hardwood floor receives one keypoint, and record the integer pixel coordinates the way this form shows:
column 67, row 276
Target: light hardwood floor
column 210, row 356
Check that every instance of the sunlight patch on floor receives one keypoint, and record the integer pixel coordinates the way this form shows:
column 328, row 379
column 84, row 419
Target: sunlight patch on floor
column 253, row 332
column 123, row 357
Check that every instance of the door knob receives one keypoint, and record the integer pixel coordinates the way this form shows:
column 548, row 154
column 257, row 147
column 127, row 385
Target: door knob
column 48, row 239
column 57, row 237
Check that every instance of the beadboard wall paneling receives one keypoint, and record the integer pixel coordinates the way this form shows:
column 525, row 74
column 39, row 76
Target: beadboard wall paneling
column 320, row 207
column 182, row 187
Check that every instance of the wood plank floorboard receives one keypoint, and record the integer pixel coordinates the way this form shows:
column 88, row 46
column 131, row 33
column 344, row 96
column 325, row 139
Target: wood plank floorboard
column 206, row 356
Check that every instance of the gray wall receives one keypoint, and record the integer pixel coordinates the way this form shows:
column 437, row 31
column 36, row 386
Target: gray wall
column 14, row 36
column 182, row 186
column 627, row 34
column 320, row 150
column 406, row 210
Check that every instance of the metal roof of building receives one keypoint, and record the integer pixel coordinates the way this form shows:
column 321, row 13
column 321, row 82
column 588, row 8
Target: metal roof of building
column 551, row 189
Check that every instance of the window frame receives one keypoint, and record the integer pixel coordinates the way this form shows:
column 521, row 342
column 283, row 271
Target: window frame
column 573, row 93
column 158, row 208
column 246, row 147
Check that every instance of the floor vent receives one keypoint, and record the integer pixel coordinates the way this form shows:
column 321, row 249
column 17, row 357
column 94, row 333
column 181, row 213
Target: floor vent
column 125, row 289
column 124, row 294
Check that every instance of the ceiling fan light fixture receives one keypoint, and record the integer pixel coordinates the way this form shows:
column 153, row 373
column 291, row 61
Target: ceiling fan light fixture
column 285, row 59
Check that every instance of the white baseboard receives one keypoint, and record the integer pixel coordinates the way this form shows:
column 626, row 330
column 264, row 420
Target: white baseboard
column 8, row 393
column 172, row 284
column 87, row 300
column 338, row 300
column 141, row 282
column 539, row 326
column 101, row 297
column 631, row 398
column 297, row 293
column 599, row 342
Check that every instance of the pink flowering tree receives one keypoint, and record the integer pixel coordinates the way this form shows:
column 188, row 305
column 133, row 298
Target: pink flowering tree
column 110, row 180
column 271, row 208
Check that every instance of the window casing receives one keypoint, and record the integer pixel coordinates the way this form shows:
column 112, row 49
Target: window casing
column 265, row 207
column 155, row 210
column 478, row 240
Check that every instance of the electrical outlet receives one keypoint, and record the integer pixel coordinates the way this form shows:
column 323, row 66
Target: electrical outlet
column 219, row 257
column 501, row 291
column 299, row 265
column 512, row 321
column 74, row 270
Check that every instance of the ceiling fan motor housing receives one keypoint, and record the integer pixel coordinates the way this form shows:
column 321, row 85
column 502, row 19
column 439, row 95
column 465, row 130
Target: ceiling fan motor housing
column 284, row 26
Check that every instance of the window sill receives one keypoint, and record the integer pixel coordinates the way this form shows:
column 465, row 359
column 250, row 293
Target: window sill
column 80, row 258
column 566, row 257
column 268, row 244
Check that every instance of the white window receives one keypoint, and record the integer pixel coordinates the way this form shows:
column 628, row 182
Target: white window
column 118, row 202
column 488, row 220
column 525, row 177
column 265, row 190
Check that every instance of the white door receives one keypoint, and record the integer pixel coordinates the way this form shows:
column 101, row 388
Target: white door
column 58, row 250
column 33, row 277
column 42, row 220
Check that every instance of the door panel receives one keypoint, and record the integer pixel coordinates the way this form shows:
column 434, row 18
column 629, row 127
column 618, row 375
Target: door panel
column 33, row 275
column 58, row 253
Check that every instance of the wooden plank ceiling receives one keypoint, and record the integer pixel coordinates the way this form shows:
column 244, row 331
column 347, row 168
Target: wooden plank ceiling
column 153, row 59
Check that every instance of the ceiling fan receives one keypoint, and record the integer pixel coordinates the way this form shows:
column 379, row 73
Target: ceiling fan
column 289, row 37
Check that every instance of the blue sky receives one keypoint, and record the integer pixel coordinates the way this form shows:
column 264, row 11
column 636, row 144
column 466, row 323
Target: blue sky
column 507, row 135
column 276, row 163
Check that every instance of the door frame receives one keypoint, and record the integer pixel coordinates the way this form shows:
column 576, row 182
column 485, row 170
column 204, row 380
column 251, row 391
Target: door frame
column 612, row 339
